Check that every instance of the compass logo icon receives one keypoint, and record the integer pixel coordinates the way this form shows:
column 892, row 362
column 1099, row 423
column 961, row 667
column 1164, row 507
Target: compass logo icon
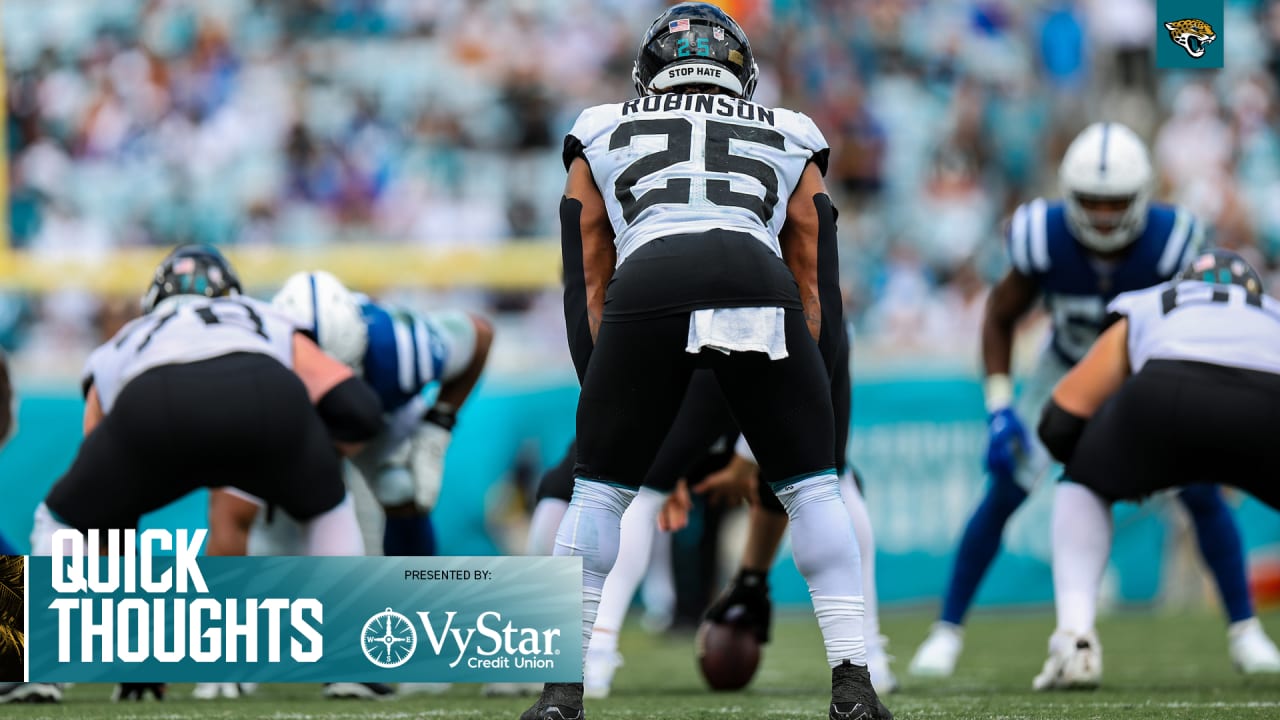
column 388, row 639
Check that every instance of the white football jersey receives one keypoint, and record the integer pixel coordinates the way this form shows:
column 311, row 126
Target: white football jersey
column 679, row 164
column 1202, row 322
column 187, row 329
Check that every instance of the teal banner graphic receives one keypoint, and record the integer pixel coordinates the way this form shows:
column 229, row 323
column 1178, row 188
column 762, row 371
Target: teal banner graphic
column 189, row 618
column 1189, row 34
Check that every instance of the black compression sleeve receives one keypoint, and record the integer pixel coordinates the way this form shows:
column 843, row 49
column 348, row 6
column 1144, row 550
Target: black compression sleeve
column 1060, row 431
column 829, row 283
column 575, row 285
column 351, row 411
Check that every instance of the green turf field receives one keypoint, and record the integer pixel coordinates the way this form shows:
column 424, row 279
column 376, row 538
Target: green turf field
column 1157, row 666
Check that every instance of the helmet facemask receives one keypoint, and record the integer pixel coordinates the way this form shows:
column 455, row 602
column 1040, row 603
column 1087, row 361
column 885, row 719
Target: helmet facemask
column 1106, row 179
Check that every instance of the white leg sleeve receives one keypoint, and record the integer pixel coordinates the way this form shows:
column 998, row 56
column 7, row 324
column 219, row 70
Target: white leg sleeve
column 1081, row 544
column 826, row 554
column 547, row 515
column 857, row 507
column 336, row 532
column 637, row 537
column 591, row 529
column 42, row 530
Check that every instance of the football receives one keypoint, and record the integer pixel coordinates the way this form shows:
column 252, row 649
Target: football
column 728, row 655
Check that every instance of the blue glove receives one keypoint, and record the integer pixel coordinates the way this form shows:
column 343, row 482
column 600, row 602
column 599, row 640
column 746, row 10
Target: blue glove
column 1006, row 440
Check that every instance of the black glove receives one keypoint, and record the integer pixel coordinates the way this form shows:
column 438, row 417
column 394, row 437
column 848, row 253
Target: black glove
column 745, row 603
column 138, row 691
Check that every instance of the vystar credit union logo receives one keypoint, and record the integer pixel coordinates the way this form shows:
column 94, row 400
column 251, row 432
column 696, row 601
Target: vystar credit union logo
column 388, row 639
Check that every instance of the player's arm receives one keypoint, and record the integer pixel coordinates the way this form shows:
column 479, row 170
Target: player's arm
column 231, row 517
column 598, row 252
column 1083, row 390
column 92, row 410
column 455, row 390
column 350, row 410
column 799, row 241
column 7, row 404
column 1009, row 300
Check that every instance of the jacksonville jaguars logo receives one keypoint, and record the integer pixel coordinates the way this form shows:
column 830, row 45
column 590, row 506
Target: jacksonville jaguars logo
column 1193, row 35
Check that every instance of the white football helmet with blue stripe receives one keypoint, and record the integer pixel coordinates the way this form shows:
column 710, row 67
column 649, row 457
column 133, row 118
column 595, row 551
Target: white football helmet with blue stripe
column 1106, row 182
column 318, row 301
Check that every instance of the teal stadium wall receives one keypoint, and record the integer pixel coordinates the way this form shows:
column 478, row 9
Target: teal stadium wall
column 916, row 440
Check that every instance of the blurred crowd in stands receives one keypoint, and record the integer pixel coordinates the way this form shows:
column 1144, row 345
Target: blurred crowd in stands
column 438, row 122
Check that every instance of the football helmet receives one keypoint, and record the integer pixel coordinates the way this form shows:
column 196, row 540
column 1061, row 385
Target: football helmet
column 1106, row 180
column 1223, row 267
column 695, row 43
column 320, row 303
column 191, row 270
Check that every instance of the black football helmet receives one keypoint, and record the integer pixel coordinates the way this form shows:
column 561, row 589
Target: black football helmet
column 191, row 270
column 695, row 43
column 1225, row 268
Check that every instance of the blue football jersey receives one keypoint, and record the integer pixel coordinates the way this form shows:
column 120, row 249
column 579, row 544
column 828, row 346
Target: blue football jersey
column 1078, row 286
column 404, row 355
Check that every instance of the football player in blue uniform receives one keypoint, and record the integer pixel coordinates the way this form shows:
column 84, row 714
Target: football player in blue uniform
column 399, row 355
column 1102, row 239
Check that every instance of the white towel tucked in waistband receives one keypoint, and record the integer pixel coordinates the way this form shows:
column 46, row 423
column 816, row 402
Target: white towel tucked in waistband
column 752, row 329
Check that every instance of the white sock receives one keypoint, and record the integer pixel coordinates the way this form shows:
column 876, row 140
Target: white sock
column 590, row 530
column 658, row 590
column 336, row 532
column 1081, row 545
column 826, row 554
column 862, row 530
column 637, row 537
column 547, row 515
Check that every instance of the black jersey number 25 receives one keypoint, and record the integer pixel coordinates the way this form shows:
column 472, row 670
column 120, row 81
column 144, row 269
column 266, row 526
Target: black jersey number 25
column 679, row 134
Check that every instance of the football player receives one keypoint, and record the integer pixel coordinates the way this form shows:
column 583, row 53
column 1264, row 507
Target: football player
column 699, row 274
column 397, row 354
column 1103, row 238
column 1182, row 389
column 263, row 388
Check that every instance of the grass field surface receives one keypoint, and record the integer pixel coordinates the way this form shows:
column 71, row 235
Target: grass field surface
column 1157, row 667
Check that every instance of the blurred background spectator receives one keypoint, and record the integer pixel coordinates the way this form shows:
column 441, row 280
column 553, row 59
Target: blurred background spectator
column 306, row 122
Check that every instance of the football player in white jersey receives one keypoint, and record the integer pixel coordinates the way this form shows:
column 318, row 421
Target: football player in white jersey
column 261, row 387
column 1103, row 238
column 1184, row 388
column 699, row 213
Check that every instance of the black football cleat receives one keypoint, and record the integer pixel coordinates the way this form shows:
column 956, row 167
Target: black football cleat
column 358, row 691
column 853, row 697
column 559, row 701
column 138, row 691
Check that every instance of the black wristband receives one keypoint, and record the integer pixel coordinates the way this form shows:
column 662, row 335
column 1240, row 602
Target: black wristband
column 753, row 578
column 445, row 418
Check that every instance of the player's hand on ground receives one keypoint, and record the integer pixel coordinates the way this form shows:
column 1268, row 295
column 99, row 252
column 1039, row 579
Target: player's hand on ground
column 731, row 485
column 1006, row 440
column 745, row 603
column 674, row 514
